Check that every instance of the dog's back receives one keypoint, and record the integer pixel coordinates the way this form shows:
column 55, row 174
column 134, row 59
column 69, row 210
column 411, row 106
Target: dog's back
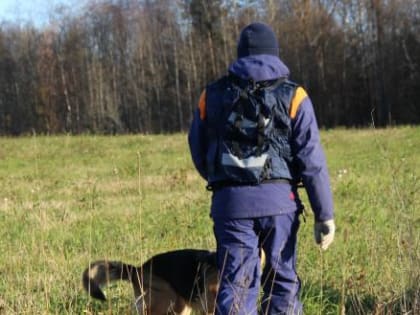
column 184, row 270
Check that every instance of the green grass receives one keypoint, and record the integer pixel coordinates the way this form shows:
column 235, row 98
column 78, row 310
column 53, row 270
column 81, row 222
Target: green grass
column 65, row 201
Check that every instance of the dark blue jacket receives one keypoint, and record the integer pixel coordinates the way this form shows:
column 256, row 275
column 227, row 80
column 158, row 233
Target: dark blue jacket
column 270, row 198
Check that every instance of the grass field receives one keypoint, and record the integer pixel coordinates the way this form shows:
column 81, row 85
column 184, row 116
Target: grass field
column 65, row 201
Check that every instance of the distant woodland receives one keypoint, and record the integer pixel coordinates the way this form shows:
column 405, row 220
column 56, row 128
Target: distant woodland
column 139, row 66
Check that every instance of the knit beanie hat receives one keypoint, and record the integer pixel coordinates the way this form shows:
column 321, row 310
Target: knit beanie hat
column 257, row 39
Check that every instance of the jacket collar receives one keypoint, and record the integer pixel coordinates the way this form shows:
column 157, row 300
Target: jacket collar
column 259, row 68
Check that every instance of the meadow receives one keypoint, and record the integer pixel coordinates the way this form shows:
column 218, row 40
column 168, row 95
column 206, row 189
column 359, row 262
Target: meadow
column 68, row 200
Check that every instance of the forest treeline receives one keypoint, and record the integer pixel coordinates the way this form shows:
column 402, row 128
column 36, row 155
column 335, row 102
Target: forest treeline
column 128, row 66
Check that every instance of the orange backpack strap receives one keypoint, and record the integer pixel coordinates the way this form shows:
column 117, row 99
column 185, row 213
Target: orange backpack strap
column 202, row 105
column 300, row 95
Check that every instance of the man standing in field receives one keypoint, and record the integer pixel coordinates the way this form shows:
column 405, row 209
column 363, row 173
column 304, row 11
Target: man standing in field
column 254, row 136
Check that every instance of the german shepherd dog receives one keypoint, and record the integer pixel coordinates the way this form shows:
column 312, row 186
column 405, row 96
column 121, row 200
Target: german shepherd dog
column 173, row 282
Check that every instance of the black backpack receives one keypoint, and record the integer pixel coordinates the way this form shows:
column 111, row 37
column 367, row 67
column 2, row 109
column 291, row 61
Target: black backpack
column 251, row 125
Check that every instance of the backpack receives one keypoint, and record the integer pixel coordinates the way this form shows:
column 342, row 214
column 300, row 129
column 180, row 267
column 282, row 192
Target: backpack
column 249, row 129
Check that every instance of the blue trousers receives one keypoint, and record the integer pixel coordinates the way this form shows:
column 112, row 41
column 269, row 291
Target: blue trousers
column 238, row 255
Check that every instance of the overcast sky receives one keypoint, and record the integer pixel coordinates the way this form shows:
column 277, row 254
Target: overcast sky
column 35, row 11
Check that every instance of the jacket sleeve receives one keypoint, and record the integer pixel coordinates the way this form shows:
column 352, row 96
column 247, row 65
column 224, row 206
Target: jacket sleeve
column 312, row 166
column 197, row 138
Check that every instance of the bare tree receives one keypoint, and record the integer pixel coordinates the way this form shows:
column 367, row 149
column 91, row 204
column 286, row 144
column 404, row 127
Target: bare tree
column 140, row 66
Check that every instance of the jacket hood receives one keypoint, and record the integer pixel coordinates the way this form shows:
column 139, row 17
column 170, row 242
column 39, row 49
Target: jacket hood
column 259, row 68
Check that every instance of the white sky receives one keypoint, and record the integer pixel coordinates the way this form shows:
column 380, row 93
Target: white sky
column 35, row 11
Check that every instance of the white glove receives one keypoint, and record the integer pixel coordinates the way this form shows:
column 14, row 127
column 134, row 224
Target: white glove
column 324, row 233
